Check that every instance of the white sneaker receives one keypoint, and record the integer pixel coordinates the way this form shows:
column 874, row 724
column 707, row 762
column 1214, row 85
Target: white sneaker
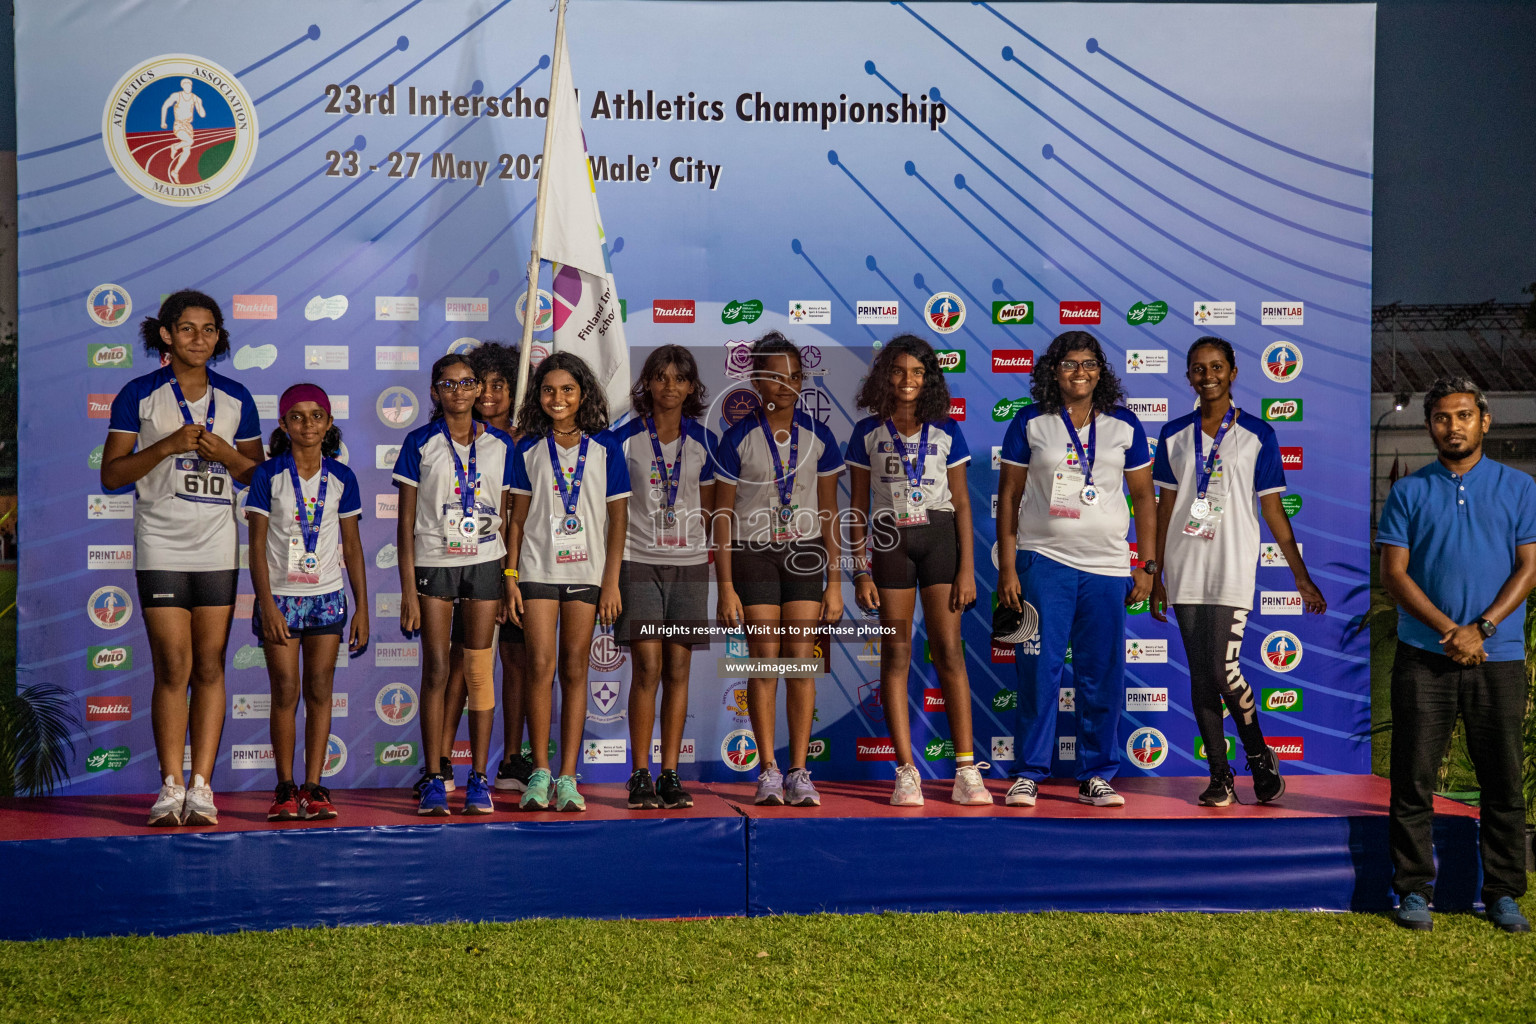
column 167, row 806
column 969, row 788
column 909, row 787
column 199, row 806
column 1022, row 793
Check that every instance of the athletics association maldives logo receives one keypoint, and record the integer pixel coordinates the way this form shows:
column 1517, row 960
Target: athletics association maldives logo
column 180, row 130
column 335, row 756
column 110, row 607
column 945, row 312
column 397, row 407
column 109, row 305
column 1281, row 362
column 739, row 750
column 395, row 704
column 1282, row 651
column 1147, row 748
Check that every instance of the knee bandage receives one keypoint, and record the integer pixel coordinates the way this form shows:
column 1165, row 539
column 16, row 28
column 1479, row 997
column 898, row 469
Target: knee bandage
column 480, row 678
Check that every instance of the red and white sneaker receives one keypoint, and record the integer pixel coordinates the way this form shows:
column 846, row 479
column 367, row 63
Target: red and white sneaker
column 315, row 802
column 285, row 803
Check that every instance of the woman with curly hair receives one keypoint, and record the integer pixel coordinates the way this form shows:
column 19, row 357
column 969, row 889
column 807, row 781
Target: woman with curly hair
column 907, row 462
column 1071, row 573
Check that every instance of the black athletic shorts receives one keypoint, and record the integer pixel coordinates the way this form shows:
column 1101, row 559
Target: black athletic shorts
column 779, row 573
column 477, row 581
column 164, row 588
column 923, row 556
column 588, row 593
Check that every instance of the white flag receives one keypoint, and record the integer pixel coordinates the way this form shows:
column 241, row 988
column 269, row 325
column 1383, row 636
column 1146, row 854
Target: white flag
column 586, row 305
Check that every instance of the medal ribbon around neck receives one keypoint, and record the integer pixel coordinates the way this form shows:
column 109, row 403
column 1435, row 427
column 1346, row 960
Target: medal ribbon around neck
column 914, row 468
column 784, row 481
column 186, row 409
column 1084, row 455
column 568, row 497
column 1200, row 508
column 309, row 528
column 466, row 479
column 675, row 478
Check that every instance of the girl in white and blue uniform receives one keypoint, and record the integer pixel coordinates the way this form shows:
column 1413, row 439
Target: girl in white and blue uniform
column 183, row 436
column 1219, row 468
column 907, row 467
column 778, row 553
column 453, row 474
column 1070, row 457
column 303, row 508
column 570, row 489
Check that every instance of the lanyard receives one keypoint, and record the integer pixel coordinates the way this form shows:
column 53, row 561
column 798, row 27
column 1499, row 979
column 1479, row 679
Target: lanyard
column 1205, row 467
column 1084, row 456
column 308, row 527
column 785, row 482
column 914, row 468
column 186, row 411
column 466, row 480
column 675, row 478
column 569, row 496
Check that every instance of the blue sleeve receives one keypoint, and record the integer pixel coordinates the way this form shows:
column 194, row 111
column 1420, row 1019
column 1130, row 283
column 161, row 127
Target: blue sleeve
column 1016, row 442
column 250, row 420
column 351, row 496
column 1395, row 525
column 618, row 467
column 959, row 451
column 831, row 460
column 125, row 410
column 408, row 463
column 1525, row 527
column 728, row 456
column 519, row 481
column 260, row 497
column 1136, row 456
column 1268, row 468
column 709, row 443
column 858, row 443
column 1162, row 469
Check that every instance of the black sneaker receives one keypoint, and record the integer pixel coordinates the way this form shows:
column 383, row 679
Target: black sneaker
column 1220, row 793
column 1265, row 769
column 642, row 792
column 513, row 774
column 670, row 791
column 446, row 771
column 421, row 783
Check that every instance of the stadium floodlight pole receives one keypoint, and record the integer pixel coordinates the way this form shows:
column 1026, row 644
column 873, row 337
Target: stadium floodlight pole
column 531, row 302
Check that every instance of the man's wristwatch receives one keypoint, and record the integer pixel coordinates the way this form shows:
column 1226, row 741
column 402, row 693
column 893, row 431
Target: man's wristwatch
column 1150, row 567
column 1486, row 627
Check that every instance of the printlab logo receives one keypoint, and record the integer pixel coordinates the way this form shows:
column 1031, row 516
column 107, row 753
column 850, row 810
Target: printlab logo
column 736, row 312
column 1009, row 312
column 1280, row 602
column 109, row 607
column 109, row 305
column 945, row 312
column 1146, row 698
column 1149, row 410
column 109, row 556
column 739, row 750
column 397, row 407
column 179, row 130
column 462, row 309
column 1282, row 651
column 1281, row 362
column 877, row 311
column 1147, row 748
column 395, row 704
column 1149, row 313
column 1277, row 313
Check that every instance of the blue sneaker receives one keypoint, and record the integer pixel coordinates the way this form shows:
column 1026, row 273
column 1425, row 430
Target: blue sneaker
column 434, row 798
column 536, row 796
column 1505, row 914
column 477, row 794
column 1413, row 913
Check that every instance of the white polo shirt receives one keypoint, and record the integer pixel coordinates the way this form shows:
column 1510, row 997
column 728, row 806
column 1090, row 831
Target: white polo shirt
column 645, row 541
column 871, row 447
column 605, row 477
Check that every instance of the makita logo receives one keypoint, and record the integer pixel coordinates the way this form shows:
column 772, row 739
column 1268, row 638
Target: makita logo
column 108, row 709
column 874, row 748
column 933, row 699
column 1286, row 748
column 98, row 407
column 1079, row 312
column 672, row 311
column 1290, row 458
column 956, row 408
column 1019, row 360
column 255, row 307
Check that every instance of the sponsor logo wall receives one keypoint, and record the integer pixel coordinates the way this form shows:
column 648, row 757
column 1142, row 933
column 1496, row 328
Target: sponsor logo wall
column 762, row 201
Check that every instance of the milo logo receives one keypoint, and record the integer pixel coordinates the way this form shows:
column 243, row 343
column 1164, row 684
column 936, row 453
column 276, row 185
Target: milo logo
column 110, row 355
column 1282, row 700
column 1281, row 410
column 1013, row 312
column 109, row 658
column 818, row 750
column 951, row 360
column 1005, row 700
column 1200, row 748
column 742, row 312
column 104, row 759
column 939, row 750
column 395, row 753
column 1008, row 408
column 1146, row 313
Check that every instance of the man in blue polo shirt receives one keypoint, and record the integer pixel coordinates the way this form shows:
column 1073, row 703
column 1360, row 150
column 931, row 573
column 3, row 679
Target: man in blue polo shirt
column 1458, row 554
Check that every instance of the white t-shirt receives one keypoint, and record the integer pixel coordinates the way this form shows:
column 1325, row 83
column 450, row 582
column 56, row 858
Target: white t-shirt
column 744, row 460
column 871, row 447
column 606, row 477
column 1095, row 541
column 271, row 496
column 184, row 518
column 648, row 540
column 426, row 463
column 1220, row 570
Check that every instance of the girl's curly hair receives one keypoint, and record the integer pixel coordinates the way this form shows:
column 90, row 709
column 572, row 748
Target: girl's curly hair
column 878, row 395
column 171, row 309
column 1046, row 392
column 657, row 362
column 591, row 414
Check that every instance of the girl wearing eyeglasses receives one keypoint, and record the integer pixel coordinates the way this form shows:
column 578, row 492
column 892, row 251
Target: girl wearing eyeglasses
column 1070, row 456
column 453, row 476
column 181, row 437
column 570, row 490
column 301, row 507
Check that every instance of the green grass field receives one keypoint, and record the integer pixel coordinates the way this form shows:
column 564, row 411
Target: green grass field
column 889, row 967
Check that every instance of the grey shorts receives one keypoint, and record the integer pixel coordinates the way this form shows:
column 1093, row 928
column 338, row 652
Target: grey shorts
column 672, row 594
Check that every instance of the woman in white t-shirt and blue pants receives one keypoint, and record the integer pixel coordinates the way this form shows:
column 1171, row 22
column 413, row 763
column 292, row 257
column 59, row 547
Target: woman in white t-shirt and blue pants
column 1213, row 466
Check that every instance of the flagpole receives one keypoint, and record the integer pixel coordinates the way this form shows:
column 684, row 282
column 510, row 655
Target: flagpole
column 531, row 303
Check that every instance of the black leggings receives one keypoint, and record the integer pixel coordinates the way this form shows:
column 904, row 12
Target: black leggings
column 1213, row 640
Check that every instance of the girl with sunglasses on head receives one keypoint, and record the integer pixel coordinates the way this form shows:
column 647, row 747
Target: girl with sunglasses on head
column 454, row 474
column 570, row 488
column 302, row 506
column 182, row 436
column 907, row 463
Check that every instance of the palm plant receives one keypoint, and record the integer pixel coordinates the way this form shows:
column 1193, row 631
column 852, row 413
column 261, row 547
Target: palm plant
column 35, row 744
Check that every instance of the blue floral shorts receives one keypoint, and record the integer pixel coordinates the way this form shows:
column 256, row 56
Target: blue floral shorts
column 309, row 615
